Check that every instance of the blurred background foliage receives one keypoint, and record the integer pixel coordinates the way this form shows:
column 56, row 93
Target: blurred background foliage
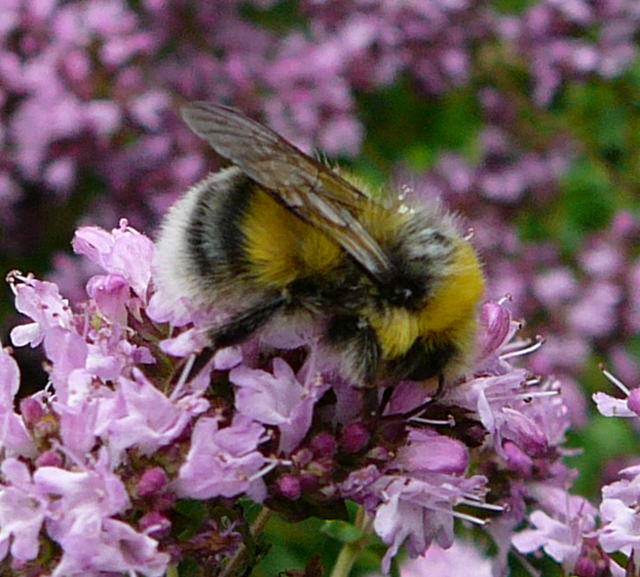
column 522, row 115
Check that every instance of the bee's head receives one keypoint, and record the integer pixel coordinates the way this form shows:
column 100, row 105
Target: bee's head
column 426, row 321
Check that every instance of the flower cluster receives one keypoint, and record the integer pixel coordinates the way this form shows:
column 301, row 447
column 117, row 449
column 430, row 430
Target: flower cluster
column 579, row 536
column 569, row 40
column 82, row 80
column 583, row 305
column 96, row 468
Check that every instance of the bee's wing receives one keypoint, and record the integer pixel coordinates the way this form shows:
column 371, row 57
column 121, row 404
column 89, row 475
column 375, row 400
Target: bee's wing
column 304, row 185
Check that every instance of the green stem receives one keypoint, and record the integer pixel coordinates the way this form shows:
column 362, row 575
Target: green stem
column 350, row 551
column 172, row 571
column 256, row 528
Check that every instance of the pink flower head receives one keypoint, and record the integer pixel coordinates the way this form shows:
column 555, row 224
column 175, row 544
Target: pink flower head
column 123, row 252
column 615, row 407
column 427, row 451
column 41, row 301
column 278, row 399
column 147, row 419
column 560, row 530
column 460, row 560
column 14, row 437
column 223, row 461
column 419, row 511
column 22, row 511
column 94, row 547
column 497, row 328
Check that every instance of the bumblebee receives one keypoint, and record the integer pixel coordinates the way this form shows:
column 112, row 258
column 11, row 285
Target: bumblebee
column 278, row 234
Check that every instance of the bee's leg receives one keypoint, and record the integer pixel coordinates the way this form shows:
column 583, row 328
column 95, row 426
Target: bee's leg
column 202, row 358
column 354, row 338
column 241, row 326
column 386, row 397
column 356, row 341
column 440, row 388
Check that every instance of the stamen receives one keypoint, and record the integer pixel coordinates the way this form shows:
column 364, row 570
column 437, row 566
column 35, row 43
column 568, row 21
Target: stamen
column 528, row 349
column 470, row 518
column 523, row 396
column 184, row 375
column 480, row 505
column 463, row 516
column 12, row 277
column 614, row 380
column 283, row 462
column 262, row 472
column 508, row 297
column 405, row 190
column 450, row 422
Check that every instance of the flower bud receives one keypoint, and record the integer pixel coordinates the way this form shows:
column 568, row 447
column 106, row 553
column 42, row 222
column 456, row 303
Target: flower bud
column 324, row 444
column 354, row 438
column 152, row 481
column 155, row 524
column 31, row 410
column 289, row 486
column 585, row 567
column 633, row 401
column 50, row 458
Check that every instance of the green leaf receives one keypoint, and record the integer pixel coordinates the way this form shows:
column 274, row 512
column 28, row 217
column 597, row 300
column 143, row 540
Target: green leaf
column 342, row 531
column 192, row 509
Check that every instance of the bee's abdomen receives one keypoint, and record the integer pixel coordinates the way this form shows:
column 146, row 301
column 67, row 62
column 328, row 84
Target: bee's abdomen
column 215, row 238
column 280, row 248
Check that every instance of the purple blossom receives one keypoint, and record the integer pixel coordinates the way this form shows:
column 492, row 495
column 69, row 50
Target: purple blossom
column 42, row 302
column 15, row 439
column 125, row 252
column 145, row 418
column 626, row 489
column 419, row 511
column 130, row 431
column 459, row 560
column 23, row 511
column 561, row 535
column 621, row 527
column 552, row 36
column 152, row 481
column 429, row 452
column 613, row 407
column 111, row 545
column 278, row 399
column 223, row 461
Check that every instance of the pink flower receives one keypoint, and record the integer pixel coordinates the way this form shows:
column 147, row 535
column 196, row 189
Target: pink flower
column 460, row 560
column 561, row 532
column 419, row 511
column 278, row 399
column 94, row 547
column 22, row 511
column 123, row 252
column 223, row 461
column 145, row 418
column 42, row 302
column 426, row 451
column 14, row 438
